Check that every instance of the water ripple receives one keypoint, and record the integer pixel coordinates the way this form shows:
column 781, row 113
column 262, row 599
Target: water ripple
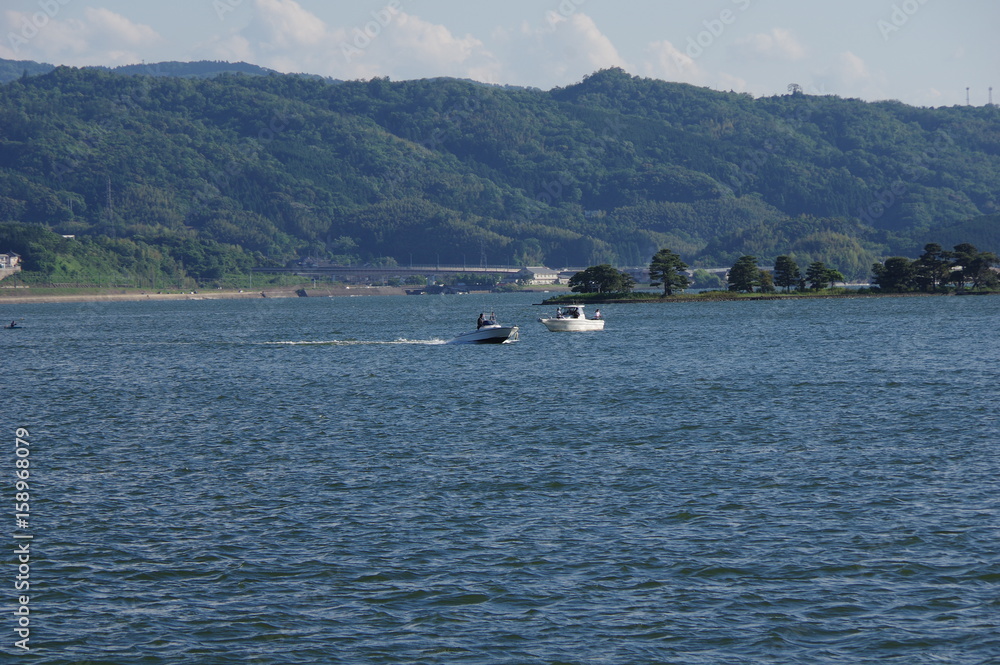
column 211, row 490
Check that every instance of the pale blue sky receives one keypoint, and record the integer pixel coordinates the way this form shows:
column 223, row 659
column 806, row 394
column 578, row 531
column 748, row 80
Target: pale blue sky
column 922, row 52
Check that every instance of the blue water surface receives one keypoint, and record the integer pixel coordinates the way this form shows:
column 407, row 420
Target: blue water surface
column 323, row 480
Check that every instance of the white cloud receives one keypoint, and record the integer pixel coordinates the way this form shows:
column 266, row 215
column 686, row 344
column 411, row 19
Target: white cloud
column 431, row 42
column 284, row 36
column 726, row 81
column 101, row 36
column 583, row 36
column 665, row 61
column 931, row 97
column 851, row 69
column 778, row 43
column 850, row 76
column 412, row 47
column 556, row 51
column 281, row 35
column 114, row 28
column 234, row 48
column 284, row 25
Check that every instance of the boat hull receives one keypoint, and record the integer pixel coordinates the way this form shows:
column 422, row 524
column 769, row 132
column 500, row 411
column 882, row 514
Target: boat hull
column 572, row 325
column 497, row 335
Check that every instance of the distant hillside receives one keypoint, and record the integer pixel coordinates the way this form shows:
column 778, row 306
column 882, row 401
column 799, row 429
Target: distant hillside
column 11, row 70
column 610, row 170
column 202, row 69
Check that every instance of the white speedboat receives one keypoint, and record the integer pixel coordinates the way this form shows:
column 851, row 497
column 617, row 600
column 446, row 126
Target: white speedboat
column 488, row 331
column 570, row 318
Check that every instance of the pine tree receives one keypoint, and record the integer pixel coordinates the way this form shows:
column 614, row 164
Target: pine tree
column 819, row 276
column 667, row 269
column 786, row 272
column 744, row 275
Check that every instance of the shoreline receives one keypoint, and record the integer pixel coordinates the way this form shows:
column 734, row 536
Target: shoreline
column 37, row 295
column 752, row 297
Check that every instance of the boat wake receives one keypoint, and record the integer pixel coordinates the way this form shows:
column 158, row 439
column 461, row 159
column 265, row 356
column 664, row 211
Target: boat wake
column 357, row 342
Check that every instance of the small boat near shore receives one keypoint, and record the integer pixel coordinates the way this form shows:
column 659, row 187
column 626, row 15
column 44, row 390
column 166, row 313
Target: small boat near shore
column 571, row 318
column 488, row 331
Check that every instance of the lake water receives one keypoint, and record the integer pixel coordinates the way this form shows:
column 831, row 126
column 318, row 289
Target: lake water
column 322, row 480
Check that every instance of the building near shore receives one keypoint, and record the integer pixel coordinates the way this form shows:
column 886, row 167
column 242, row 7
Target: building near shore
column 10, row 263
column 538, row 275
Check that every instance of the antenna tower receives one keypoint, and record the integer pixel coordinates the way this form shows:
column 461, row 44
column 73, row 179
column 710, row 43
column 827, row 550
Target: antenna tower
column 967, row 96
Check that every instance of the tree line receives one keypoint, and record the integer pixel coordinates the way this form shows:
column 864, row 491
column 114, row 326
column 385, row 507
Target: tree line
column 936, row 269
column 746, row 276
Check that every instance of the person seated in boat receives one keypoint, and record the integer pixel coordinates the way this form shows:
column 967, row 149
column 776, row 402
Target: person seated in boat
column 597, row 314
column 480, row 322
column 559, row 313
column 576, row 314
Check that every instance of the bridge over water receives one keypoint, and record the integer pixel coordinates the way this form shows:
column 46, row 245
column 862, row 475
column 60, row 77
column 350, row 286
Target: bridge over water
column 367, row 273
column 362, row 273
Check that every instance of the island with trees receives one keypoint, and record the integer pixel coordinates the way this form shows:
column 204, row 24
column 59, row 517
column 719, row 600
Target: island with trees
column 962, row 270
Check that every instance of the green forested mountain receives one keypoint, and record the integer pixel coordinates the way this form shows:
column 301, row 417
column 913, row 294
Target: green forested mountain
column 213, row 175
column 11, row 70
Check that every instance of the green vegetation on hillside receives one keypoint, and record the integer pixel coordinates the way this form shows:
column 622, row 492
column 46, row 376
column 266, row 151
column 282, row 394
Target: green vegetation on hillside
column 197, row 178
